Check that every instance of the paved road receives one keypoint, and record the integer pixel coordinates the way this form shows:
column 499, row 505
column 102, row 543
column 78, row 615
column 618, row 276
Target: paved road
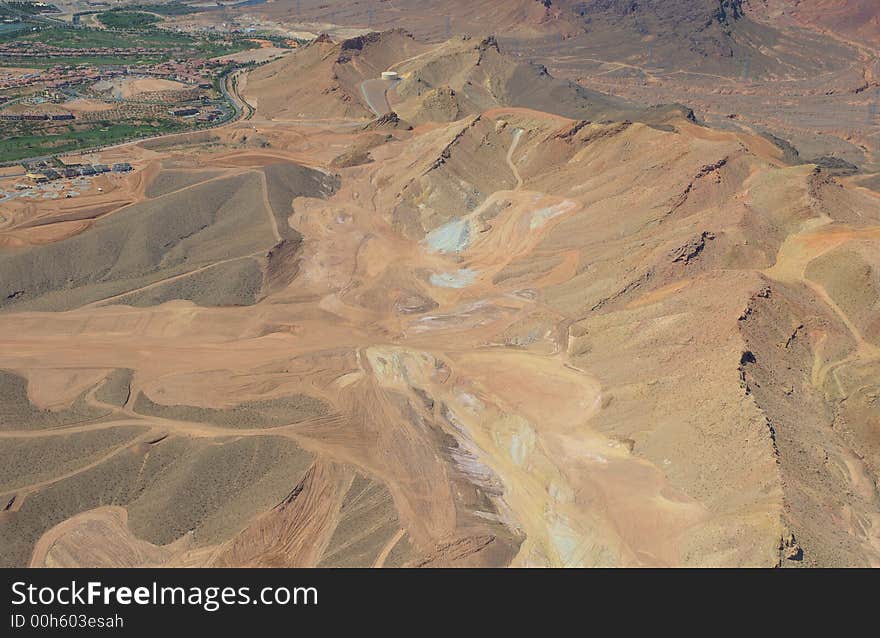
column 232, row 99
column 375, row 94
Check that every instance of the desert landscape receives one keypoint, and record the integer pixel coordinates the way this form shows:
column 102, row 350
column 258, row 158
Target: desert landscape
column 526, row 284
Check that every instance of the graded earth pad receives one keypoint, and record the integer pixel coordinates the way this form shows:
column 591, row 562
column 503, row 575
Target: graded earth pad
column 508, row 333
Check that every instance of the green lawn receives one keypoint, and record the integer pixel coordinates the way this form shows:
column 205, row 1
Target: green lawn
column 7, row 28
column 20, row 147
column 94, row 38
column 44, row 62
column 128, row 19
column 168, row 9
column 167, row 44
column 16, row 8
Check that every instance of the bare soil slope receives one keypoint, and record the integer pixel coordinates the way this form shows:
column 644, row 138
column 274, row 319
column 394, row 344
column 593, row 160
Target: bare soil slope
column 439, row 83
column 511, row 337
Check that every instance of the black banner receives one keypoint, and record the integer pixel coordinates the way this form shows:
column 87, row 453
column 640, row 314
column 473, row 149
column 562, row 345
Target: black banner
column 131, row 601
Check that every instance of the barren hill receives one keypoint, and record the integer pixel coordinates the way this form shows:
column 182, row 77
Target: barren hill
column 806, row 72
column 335, row 70
column 439, row 83
column 714, row 35
column 541, row 327
column 858, row 20
column 431, row 19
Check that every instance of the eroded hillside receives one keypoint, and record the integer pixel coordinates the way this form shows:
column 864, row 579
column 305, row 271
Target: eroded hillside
column 499, row 334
